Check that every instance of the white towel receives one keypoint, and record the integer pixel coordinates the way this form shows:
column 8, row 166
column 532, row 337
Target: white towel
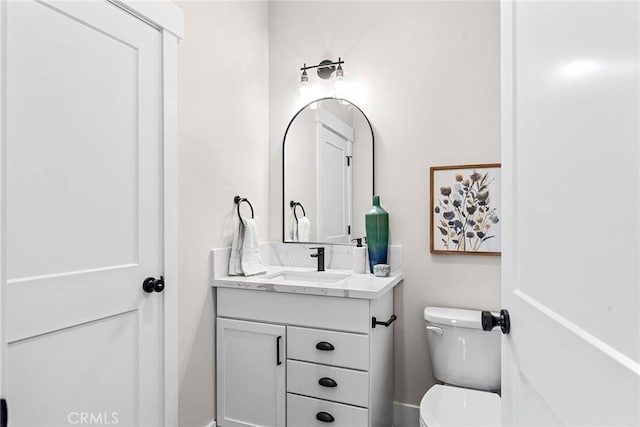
column 304, row 229
column 245, row 256
column 293, row 228
column 251, row 260
column 235, row 260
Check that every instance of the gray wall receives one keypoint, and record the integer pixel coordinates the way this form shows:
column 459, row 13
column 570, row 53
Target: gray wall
column 428, row 76
column 222, row 136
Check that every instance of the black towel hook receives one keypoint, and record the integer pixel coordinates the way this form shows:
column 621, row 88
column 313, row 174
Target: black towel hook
column 238, row 200
column 294, row 205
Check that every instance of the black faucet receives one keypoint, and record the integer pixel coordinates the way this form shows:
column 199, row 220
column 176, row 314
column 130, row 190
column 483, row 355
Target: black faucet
column 320, row 256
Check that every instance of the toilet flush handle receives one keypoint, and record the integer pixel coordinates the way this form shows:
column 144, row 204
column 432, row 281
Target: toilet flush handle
column 435, row 330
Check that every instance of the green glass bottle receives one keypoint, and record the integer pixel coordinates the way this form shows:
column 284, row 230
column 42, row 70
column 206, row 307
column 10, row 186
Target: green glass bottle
column 377, row 227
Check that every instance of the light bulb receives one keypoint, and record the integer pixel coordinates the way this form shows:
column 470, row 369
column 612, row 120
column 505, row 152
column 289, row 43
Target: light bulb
column 339, row 85
column 305, row 92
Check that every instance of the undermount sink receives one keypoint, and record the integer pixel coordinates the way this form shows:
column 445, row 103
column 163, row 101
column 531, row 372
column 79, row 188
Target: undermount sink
column 319, row 277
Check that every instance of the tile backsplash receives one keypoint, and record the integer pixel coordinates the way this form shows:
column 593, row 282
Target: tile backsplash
column 337, row 257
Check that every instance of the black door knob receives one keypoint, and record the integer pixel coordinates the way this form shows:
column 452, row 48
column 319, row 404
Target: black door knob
column 489, row 321
column 151, row 284
column 158, row 284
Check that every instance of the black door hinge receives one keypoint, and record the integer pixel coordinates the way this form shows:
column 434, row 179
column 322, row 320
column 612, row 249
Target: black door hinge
column 349, row 160
column 4, row 413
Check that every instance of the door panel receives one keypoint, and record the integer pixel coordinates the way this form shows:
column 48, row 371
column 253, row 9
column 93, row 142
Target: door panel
column 77, row 128
column 577, row 125
column 34, row 379
column 571, row 163
column 83, row 213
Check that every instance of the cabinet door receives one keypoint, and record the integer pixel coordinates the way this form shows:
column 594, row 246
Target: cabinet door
column 251, row 374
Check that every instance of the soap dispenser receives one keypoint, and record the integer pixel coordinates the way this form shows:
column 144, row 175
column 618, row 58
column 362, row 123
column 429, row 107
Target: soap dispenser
column 359, row 256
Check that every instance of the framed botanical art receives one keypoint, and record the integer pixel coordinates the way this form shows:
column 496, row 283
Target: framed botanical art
column 465, row 209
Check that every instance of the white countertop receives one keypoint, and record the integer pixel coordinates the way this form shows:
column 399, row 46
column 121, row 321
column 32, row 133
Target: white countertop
column 363, row 286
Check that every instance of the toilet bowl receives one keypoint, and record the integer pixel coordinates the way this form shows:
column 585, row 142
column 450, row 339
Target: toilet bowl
column 450, row 406
column 467, row 360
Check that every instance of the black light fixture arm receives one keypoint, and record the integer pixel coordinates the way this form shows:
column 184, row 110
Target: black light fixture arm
column 325, row 63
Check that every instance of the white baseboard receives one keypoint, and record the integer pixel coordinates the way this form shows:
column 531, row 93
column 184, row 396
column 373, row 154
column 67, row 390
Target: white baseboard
column 211, row 424
column 405, row 415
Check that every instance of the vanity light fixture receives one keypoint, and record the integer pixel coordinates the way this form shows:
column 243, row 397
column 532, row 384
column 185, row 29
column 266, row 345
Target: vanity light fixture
column 326, row 70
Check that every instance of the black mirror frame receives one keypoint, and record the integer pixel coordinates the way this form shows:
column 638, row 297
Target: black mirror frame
column 284, row 140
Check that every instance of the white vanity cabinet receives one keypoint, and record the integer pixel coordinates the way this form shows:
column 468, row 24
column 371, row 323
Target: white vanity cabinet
column 336, row 367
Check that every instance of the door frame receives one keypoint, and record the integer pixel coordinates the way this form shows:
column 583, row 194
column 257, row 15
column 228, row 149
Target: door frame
column 508, row 189
column 3, row 311
column 168, row 19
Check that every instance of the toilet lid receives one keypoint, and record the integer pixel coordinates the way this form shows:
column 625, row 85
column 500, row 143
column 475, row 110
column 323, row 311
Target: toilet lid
column 456, row 406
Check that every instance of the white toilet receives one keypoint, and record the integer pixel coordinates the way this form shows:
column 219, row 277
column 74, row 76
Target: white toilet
column 467, row 360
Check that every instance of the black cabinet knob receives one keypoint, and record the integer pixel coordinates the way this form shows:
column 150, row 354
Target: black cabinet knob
column 325, row 417
column 489, row 321
column 327, row 382
column 151, row 284
column 325, row 346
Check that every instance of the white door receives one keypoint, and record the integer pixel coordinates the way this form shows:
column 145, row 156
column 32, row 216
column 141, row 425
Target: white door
column 334, row 177
column 571, row 246
column 83, row 179
column 251, row 360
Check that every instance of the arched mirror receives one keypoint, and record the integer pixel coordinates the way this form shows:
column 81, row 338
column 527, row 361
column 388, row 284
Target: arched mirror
column 327, row 173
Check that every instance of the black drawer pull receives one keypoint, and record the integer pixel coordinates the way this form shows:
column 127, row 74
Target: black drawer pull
column 325, row 417
column 325, row 346
column 327, row 382
column 278, row 361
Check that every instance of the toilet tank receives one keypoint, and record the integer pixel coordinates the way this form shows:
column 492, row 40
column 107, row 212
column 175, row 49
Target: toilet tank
column 461, row 352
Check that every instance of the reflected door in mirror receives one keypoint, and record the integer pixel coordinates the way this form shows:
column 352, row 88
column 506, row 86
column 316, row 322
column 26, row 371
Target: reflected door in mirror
column 334, row 149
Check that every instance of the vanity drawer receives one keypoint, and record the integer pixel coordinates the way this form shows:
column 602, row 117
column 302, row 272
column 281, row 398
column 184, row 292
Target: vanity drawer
column 303, row 412
column 328, row 347
column 340, row 385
